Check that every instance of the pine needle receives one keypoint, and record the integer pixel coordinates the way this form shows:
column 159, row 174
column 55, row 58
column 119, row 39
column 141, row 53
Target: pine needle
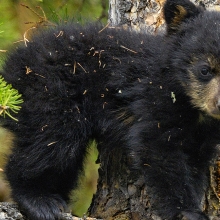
column 10, row 99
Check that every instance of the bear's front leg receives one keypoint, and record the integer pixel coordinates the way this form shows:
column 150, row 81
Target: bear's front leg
column 174, row 187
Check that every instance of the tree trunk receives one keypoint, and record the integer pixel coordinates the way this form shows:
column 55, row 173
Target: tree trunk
column 121, row 193
column 142, row 15
column 138, row 15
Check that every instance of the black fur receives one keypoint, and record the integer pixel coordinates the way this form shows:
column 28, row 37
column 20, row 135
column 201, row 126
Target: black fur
column 139, row 92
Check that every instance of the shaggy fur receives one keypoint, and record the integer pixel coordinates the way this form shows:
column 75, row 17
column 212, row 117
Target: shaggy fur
column 156, row 97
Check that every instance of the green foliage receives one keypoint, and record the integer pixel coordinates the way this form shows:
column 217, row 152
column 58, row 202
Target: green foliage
column 0, row 30
column 10, row 99
column 15, row 19
column 87, row 184
column 8, row 28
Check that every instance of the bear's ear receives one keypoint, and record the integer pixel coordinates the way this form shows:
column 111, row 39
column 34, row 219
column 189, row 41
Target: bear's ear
column 178, row 11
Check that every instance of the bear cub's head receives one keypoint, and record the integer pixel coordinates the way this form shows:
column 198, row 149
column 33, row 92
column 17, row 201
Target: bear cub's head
column 194, row 34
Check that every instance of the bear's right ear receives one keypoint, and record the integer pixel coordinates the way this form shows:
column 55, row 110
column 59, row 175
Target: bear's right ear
column 178, row 11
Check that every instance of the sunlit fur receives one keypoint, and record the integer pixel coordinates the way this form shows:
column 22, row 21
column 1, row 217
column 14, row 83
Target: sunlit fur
column 149, row 95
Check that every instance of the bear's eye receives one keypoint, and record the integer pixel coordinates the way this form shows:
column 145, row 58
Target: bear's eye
column 205, row 73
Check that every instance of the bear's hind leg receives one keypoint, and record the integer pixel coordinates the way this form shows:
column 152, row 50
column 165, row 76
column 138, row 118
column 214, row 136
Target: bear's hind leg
column 41, row 177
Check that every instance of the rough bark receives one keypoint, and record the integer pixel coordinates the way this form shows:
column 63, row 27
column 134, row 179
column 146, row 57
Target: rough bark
column 121, row 193
column 142, row 15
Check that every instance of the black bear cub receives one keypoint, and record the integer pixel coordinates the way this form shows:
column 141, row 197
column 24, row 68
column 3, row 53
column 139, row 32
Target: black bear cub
column 156, row 97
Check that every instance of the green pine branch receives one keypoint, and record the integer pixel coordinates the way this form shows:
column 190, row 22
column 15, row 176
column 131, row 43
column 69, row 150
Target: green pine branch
column 10, row 99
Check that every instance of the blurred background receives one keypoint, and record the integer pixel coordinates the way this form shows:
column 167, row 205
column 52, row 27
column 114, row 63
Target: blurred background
column 18, row 17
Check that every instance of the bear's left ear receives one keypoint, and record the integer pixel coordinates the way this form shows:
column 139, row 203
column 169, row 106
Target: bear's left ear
column 178, row 11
